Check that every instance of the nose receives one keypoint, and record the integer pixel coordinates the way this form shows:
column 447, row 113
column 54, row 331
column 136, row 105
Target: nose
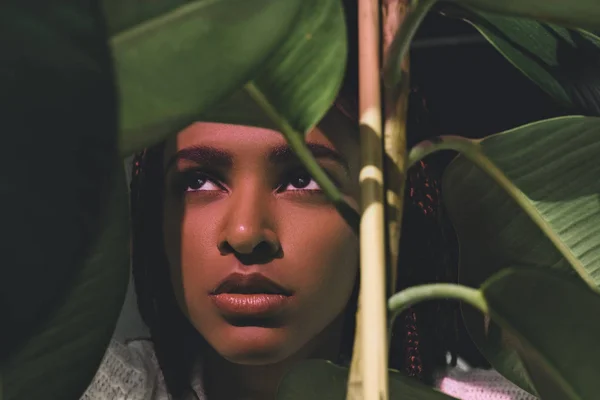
column 249, row 226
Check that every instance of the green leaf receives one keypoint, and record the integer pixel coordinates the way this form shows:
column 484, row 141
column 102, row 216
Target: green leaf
column 300, row 81
column 495, row 344
column 302, row 78
column 320, row 379
column 563, row 62
column 64, row 263
column 59, row 139
column 121, row 15
column 574, row 13
column 554, row 167
column 182, row 59
column 551, row 319
column 60, row 359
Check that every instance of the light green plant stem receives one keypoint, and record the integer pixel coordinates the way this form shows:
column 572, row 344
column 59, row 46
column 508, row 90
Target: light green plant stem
column 298, row 145
column 368, row 379
column 472, row 150
column 416, row 294
column 449, row 142
column 411, row 296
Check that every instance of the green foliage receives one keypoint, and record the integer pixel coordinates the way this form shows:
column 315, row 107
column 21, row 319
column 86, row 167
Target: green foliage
column 59, row 146
column 172, row 66
column 320, row 379
column 553, row 166
column 512, row 299
column 563, row 62
column 551, row 321
column 574, row 13
column 300, row 80
column 121, row 15
column 64, row 222
column 62, row 357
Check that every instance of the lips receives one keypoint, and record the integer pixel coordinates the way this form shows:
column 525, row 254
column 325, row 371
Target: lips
column 250, row 284
column 250, row 295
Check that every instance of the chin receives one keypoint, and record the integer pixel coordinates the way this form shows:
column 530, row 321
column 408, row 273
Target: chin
column 254, row 345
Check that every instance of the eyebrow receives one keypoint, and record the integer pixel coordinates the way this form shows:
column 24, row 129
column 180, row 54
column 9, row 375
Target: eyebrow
column 202, row 155
column 282, row 154
column 278, row 155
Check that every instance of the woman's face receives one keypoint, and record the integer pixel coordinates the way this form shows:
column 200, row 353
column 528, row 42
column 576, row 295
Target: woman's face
column 260, row 261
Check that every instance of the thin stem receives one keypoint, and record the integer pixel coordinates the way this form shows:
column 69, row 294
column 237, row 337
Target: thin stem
column 400, row 25
column 298, row 145
column 368, row 373
column 401, row 44
column 416, row 294
column 447, row 142
column 394, row 14
column 473, row 152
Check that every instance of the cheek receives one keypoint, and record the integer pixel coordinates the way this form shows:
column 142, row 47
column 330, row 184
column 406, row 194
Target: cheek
column 187, row 242
column 329, row 252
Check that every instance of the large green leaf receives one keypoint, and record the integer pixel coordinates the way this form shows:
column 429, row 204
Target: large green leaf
column 563, row 62
column 320, row 379
column 58, row 108
column 299, row 82
column 60, row 359
column 554, row 166
column 176, row 58
column 64, row 264
column 552, row 320
column 575, row 13
column 121, row 15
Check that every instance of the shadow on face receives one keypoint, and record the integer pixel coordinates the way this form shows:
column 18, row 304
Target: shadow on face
column 260, row 262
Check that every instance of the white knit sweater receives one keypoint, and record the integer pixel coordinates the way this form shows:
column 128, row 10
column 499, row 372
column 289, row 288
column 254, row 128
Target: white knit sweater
column 131, row 372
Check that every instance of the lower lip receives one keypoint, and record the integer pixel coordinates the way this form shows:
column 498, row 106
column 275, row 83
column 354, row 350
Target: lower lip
column 251, row 305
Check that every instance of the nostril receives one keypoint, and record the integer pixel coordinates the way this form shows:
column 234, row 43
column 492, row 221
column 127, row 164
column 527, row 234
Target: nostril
column 265, row 248
column 225, row 248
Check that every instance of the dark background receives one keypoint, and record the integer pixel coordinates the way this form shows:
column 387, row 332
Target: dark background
column 469, row 88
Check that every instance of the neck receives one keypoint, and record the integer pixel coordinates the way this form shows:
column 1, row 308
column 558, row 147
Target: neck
column 226, row 380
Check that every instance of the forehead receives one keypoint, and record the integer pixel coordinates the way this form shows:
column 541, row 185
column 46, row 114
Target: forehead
column 335, row 131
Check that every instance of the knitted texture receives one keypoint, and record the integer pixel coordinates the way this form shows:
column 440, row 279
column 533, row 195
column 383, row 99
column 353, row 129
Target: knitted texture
column 467, row 383
column 131, row 372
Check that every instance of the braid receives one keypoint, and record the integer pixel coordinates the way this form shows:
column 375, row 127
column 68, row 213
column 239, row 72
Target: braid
column 413, row 361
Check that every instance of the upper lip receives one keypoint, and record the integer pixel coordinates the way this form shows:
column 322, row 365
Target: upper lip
column 250, row 284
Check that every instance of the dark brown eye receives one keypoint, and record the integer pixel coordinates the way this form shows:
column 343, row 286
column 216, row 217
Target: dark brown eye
column 195, row 182
column 300, row 181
